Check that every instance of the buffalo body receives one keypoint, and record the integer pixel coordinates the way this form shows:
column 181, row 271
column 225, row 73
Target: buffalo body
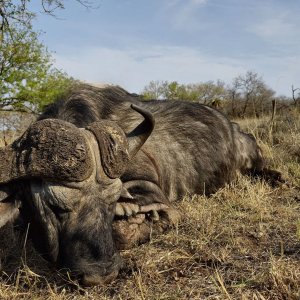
column 100, row 167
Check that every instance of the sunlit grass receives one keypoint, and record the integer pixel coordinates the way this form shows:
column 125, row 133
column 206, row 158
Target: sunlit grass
column 241, row 243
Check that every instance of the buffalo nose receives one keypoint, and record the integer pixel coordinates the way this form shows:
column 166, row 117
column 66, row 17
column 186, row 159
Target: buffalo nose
column 92, row 280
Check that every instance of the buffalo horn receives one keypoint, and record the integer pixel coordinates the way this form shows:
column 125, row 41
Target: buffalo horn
column 116, row 148
column 138, row 136
column 48, row 148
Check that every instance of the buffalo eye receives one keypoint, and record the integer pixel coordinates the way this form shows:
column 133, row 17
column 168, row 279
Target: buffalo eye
column 59, row 212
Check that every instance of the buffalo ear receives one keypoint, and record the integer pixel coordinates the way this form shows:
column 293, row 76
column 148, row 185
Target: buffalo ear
column 8, row 212
column 113, row 147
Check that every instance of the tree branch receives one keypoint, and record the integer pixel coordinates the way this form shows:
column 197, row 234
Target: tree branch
column 293, row 94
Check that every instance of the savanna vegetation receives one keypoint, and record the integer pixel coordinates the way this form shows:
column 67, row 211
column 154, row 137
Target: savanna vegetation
column 246, row 96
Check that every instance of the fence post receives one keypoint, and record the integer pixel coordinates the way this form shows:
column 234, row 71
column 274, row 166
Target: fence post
column 274, row 104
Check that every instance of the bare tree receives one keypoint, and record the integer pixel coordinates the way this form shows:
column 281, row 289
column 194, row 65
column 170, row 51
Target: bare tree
column 296, row 99
column 233, row 95
column 254, row 91
column 18, row 12
column 156, row 89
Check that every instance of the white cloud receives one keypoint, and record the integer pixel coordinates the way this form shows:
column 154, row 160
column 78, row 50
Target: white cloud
column 275, row 27
column 171, row 3
column 133, row 68
column 277, row 24
column 197, row 2
column 182, row 14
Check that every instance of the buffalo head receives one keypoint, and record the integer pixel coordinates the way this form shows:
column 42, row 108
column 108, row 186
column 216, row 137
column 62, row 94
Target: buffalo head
column 66, row 182
column 248, row 154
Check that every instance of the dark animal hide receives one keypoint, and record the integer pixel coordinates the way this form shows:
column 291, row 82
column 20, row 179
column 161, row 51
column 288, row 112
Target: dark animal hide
column 97, row 174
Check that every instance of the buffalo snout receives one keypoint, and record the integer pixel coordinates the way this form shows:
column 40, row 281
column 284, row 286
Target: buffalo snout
column 108, row 273
column 94, row 273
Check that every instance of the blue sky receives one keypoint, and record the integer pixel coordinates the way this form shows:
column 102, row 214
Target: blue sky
column 130, row 42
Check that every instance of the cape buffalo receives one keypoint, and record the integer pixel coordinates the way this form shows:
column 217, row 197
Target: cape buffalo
column 101, row 166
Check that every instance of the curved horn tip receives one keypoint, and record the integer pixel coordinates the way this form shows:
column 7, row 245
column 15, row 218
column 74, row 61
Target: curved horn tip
column 138, row 136
column 145, row 113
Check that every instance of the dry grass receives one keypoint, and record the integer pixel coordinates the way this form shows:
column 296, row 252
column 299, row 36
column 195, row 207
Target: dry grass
column 241, row 243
